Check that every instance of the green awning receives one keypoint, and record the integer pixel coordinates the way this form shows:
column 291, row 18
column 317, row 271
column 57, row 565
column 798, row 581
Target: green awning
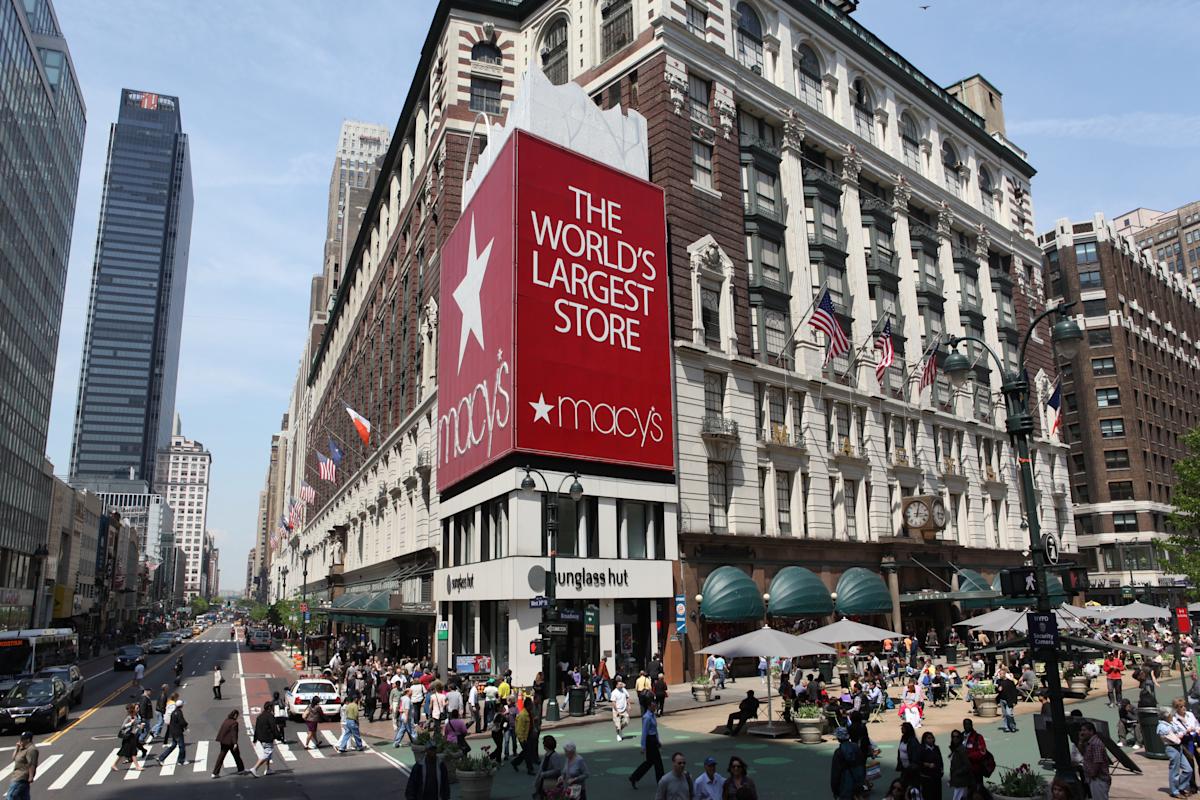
column 860, row 591
column 798, row 592
column 371, row 602
column 729, row 595
column 971, row 581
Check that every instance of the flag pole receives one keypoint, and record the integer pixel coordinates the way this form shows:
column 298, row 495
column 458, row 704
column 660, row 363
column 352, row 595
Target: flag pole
column 796, row 328
column 861, row 349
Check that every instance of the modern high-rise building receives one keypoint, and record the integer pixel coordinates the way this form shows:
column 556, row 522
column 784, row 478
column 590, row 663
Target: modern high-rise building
column 182, row 476
column 135, row 314
column 41, row 127
column 355, row 168
column 1172, row 237
column 1127, row 400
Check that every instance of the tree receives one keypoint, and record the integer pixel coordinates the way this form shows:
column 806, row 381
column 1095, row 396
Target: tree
column 199, row 606
column 1183, row 546
column 258, row 612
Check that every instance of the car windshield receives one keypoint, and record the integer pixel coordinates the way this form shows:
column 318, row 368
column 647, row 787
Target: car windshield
column 130, row 651
column 31, row 692
column 314, row 688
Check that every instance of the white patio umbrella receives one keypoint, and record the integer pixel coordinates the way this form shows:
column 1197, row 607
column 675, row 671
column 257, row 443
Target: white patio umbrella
column 983, row 620
column 1137, row 610
column 768, row 643
column 847, row 630
column 1019, row 621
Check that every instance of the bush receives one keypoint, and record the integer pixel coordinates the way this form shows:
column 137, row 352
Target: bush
column 807, row 711
column 702, row 680
column 480, row 763
column 984, row 689
column 1019, row 782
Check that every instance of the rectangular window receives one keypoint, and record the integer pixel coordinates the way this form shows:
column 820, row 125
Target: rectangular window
column 1090, row 279
column 775, row 402
column 616, row 26
column 1112, row 428
column 1099, row 337
column 1104, row 366
column 1116, row 459
column 1120, row 490
column 636, row 527
column 1095, row 308
column 718, row 498
column 710, row 316
column 1125, row 522
column 714, row 394
column 770, row 262
column 697, row 20
column 1107, row 398
column 698, row 99
column 783, row 500
column 702, row 167
column 765, row 190
column 775, row 325
column 485, row 95
column 805, row 487
column 1085, row 253
column 850, row 502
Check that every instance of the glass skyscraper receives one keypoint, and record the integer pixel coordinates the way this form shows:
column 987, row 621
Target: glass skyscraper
column 41, row 144
column 135, row 314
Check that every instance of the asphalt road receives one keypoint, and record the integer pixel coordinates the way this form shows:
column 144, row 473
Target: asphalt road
column 79, row 757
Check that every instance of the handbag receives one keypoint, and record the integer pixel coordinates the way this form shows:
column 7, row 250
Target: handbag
column 874, row 771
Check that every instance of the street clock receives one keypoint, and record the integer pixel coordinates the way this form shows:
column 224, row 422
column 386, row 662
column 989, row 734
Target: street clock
column 925, row 514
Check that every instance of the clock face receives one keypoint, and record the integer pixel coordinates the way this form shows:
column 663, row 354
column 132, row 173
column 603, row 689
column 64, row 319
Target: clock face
column 939, row 513
column 916, row 514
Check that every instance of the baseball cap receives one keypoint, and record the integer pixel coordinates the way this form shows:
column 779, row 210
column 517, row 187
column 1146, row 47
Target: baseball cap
column 710, row 762
column 26, row 736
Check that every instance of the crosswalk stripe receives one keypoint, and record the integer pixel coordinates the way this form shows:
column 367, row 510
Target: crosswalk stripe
column 49, row 762
column 314, row 752
column 134, row 774
column 4, row 773
column 201, row 756
column 258, row 751
column 331, row 737
column 285, row 751
column 71, row 771
column 102, row 771
column 169, row 768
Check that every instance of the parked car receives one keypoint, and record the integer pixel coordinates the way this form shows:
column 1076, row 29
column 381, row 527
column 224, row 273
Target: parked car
column 299, row 696
column 72, row 676
column 163, row 644
column 259, row 639
column 128, row 657
column 41, row 703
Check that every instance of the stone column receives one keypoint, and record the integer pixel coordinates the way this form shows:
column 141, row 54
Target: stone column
column 858, row 295
column 799, row 264
column 950, row 284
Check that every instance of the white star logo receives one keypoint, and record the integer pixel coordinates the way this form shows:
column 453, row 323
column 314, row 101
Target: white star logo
column 466, row 295
column 541, row 409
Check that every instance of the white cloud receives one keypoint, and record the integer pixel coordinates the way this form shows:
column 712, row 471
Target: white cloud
column 1139, row 128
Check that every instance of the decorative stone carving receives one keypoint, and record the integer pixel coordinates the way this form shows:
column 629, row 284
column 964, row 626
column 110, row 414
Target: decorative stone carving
column 703, row 133
column 926, row 147
column 983, row 242
column 679, row 93
column 851, row 165
column 881, row 116
column 771, row 43
column 901, row 194
column 830, row 81
column 945, row 217
column 726, row 114
column 794, row 130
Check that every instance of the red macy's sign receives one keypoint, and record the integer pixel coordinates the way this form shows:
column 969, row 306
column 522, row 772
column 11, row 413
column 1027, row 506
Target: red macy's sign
column 555, row 333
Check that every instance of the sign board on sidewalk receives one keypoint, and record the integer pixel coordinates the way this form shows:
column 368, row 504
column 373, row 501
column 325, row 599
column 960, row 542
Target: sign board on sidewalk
column 570, row 615
column 1183, row 620
column 443, row 630
column 1043, row 630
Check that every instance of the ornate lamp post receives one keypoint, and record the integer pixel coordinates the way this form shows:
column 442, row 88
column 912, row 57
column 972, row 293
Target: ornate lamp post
column 304, row 555
column 550, row 612
column 1066, row 337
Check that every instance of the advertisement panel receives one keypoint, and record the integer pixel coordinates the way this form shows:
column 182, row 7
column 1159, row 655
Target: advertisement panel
column 556, row 331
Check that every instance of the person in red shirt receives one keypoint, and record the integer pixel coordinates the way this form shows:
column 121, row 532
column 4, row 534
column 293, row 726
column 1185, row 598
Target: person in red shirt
column 1113, row 669
column 977, row 752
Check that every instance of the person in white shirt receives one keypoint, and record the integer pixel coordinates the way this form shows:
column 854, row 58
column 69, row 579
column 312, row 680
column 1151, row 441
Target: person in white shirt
column 711, row 784
column 620, row 708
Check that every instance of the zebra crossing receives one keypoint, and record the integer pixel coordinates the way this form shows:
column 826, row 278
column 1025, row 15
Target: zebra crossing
column 95, row 767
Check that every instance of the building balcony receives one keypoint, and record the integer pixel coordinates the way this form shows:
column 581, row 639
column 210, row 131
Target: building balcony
column 825, row 247
column 763, row 280
column 881, row 259
column 965, row 258
column 752, row 208
column 424, row 462
column 780, row 437
column 821, row 178
column 846, row 452
column 920, row 232
column 748, row 142
column 720, row 436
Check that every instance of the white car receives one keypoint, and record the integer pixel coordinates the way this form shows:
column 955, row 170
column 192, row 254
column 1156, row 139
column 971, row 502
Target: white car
column 300, row 694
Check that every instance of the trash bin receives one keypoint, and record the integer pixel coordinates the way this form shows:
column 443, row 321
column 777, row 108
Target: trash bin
column 576, row 701
column 825, row 666
column 1152, row 744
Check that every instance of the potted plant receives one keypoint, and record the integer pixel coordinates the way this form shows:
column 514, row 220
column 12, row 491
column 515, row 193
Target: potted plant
column 1021, row 783
column 984, row 696
column 449, row 753
column 420, row 745
column 809, row 722
column 475, row 775
column 1076, row 680
column 702, row 685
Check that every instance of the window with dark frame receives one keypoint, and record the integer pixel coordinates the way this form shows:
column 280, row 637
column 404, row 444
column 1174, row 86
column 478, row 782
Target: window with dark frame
column 554, row 52
column 485, row 95
column 616, row 26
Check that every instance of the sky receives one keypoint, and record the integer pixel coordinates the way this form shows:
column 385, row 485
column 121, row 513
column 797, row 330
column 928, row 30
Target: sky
column 1100, row 94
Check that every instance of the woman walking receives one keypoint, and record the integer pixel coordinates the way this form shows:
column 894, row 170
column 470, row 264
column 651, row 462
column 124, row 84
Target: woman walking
column 738, row 782
column 129, row 734
column 908, row 756
column 227, row 737
column 575, row 771
column 930, row 768
column 265, row 733
column 280, row 712
column 961, row 778
column 312, row 718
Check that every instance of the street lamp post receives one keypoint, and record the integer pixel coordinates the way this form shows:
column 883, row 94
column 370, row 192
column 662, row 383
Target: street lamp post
column 550, row 612
column 1066, row 337
column 304, row 554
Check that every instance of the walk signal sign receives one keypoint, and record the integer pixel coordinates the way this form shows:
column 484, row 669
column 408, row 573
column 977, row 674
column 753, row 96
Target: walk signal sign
column 1019, row 582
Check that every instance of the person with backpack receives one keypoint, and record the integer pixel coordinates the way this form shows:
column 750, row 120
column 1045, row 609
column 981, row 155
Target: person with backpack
column 265, row 733
column 983, row 763
column 847, row 773
column 279, row 710
column 176, row 726
column 128, row 734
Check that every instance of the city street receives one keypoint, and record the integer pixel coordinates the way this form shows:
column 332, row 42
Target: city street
column 79, row 757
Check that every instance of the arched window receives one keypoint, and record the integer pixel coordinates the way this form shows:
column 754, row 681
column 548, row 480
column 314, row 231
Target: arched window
column 486, row 52
column 986, row 192
column 950, row 168
column 864, row 110
column 749, row 38
column 910, row 141
column 808, row 76
column 554, row 52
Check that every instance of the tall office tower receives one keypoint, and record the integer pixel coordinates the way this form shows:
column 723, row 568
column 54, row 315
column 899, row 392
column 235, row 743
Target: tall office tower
column 131, row 348
column 41, row 128
column 1172, row 237
column 355, row 168
column 182, row 476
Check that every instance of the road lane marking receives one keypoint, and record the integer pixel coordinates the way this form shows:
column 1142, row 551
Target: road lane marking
column 48, row 763
column 331, row 737
column 169, row 769
column 105, row 767
column 201, row 756
column 134, row 774
column 72, row 770
column 285, row 751
column 245, row 698
column 96, row 707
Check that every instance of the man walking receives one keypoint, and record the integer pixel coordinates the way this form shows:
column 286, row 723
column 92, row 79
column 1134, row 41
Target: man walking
column 719, row 665
column 651, row 748
column 1006, row 697
column 403, row 711
column 1095, row 762
column 711, row 784
column 620, row 708
column 25, row 764
column 527, row 738
column 146, row 712
column 350, row 715
column 217, row 681
column 1114, row 668
column 676, row 784
column 176, row 725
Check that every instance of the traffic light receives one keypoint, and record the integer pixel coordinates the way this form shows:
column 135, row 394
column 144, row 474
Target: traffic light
column 1075, row 580
column 537, row 647
column 1021, row 582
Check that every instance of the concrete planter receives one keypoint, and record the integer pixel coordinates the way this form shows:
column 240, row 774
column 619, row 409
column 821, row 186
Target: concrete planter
column 986, row 707
column 702, row 690
column 809, row 730
column 475, row 785
column 1079, row 684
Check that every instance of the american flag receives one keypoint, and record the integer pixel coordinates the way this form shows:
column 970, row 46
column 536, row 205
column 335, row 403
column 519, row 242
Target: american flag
column 284, row 522
column 327, row 467
column 929, row 373
column 887, row 351
column 825, row 320
column 307, row 493
column 1055, row 406
column 295, row 508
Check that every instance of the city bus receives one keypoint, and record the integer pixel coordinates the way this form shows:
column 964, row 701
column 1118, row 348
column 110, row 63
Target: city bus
column 28, row 652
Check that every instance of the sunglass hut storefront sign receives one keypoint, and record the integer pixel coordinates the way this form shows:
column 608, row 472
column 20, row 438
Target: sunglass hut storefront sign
column 556, row 332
